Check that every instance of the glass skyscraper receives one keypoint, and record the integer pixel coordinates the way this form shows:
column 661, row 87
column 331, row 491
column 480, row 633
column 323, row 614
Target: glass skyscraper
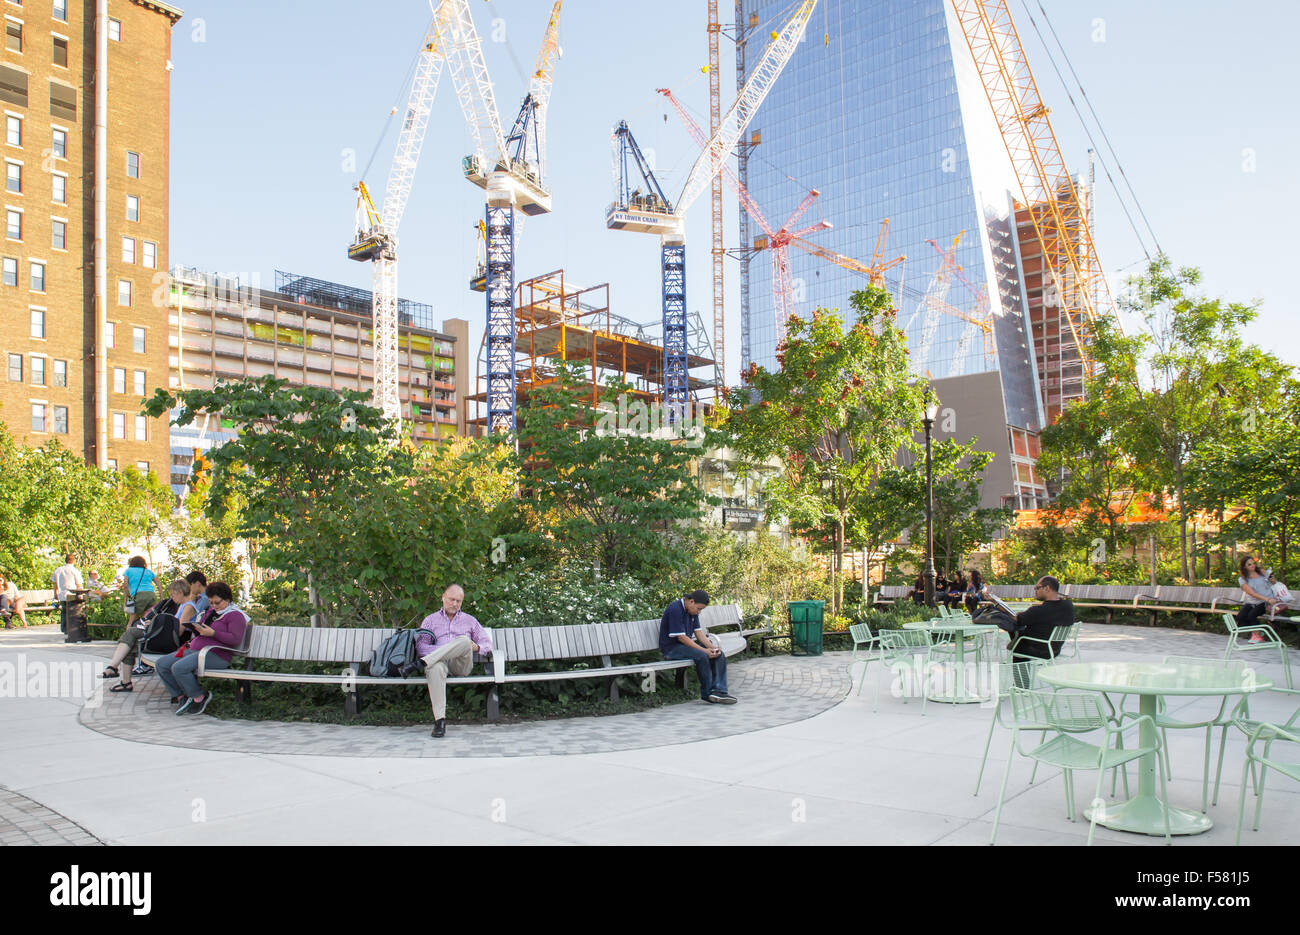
column 881, row 110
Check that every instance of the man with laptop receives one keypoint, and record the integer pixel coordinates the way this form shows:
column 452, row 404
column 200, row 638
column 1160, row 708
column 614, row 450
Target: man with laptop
column 1037, row 622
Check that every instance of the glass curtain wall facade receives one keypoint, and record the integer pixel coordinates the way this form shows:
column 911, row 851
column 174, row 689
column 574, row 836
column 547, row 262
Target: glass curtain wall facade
column 881, row 110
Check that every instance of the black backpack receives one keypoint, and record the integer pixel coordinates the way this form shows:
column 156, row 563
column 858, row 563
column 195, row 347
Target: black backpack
column 396, row 656
column 160, row 635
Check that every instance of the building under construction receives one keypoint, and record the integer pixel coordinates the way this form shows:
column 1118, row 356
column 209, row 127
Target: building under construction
column 558, row 322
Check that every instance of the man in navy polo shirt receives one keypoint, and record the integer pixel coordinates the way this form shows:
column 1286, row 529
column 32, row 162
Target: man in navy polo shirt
column 682, row 637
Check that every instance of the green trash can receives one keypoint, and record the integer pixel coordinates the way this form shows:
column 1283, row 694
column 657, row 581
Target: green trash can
column 806, row 627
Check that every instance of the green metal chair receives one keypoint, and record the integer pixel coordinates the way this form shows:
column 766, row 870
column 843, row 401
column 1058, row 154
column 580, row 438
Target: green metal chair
column 1069, row 715
column 899, row 646
column 866, row 643
column 1007, row 675
column 1271, row 641
column 1236, row 668
column 1242, row 720
column 1065, row 635
column 1267, row 734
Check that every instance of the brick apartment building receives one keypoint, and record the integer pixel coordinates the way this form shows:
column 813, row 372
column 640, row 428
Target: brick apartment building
column 85, row 90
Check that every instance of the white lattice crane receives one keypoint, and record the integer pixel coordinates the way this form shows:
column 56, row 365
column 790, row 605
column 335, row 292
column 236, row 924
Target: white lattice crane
column 509, row 168
column 376, row 234
column 668, row 220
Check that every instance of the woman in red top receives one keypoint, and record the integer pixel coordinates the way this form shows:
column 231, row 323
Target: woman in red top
column 223, row 626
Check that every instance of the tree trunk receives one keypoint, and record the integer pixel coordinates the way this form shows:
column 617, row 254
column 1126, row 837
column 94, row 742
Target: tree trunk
column 1191, row 564
column 1182, row 520
column 318, row 618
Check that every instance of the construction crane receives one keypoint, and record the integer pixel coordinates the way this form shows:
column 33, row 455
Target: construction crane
column 779, row 241
column 980, row 322
column 719, row 249
column 1046, row 187
column 375, row 240
column 509, row 168
column 670, row 224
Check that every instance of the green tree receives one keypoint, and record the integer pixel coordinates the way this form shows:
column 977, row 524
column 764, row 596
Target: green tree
column 1179, row 384
column 1101, row 484
column 613, row 493
column 836, row 414
column 300, row 451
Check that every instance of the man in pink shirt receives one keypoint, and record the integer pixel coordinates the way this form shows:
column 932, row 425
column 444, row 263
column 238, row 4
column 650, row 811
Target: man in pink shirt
column 447, row 642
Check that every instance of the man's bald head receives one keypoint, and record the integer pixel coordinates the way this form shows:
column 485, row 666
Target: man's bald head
column 452, row 597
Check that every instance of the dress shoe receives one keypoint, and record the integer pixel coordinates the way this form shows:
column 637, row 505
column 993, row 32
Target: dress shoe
column 440, row 727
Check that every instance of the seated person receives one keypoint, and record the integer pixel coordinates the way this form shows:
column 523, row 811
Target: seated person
column 976, row 592
column 12, row 603
column 917, row 594
column 956, row 590
column 1037, row 622
column 223, row 627
column 125, row 651
column 95, row 588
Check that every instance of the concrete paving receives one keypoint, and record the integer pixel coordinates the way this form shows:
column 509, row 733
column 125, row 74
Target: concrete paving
column 801, row 759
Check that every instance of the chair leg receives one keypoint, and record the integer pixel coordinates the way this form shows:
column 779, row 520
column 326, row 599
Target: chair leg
column 987, row 742
column 1002, row 793
column 1218, row 771
column 1164, row 807
column 1164, row 753
column 1259, row 801
column 1069, row 795
column 1286, row 667
column 1241, row 800
column 1205, row 774
column 1096, row 805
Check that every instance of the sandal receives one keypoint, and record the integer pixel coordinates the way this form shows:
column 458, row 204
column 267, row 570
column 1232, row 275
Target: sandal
column 128, row 687
column 109, row 673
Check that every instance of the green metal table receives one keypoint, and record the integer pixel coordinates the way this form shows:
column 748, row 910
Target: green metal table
column 960, row 693
column 1143, row 813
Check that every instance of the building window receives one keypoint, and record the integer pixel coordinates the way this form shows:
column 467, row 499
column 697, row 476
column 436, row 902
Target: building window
column 15, row 368
column 123, row 292
column 13, row 177
column 61, row 52
column 10, row 271
column 14, row 224
column 13, row 85
column 137, row 339
column 110, row 464
column 13, row 130
column 38, row 277
column 60, row 373
column 132, row 165
column 38, row 417
column 110, row 334
column 115, row 30
column 38, row 323
column 139, row 383
column 59, row 235
column 119, row 425
column 60, row 146
column 60, row 189
column 60, row 420
column 13, row 35
column 142, row 467
column 150, row 258
column 119, row 379
column 132, row 208
column 142, row 431
column 38, row 371
column 61, row 10
column 128, row 250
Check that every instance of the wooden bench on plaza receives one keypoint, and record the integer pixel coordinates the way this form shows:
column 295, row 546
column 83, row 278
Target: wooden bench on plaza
column 351, row 650
column 38, row 601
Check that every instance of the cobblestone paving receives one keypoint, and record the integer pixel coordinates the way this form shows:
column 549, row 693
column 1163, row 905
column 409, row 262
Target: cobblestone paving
column 773, row 691
column 24, row 821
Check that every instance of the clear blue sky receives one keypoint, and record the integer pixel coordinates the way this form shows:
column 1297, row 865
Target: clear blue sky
column 272, row 101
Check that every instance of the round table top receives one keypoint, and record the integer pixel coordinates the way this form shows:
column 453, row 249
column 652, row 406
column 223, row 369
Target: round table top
column 953, row 625
column 1153, row 678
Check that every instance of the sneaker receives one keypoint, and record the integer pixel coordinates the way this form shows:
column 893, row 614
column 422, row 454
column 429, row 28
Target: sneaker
column 142, row 669
column 1256, row 638
column 716, row 698
column 185, row 706
column 198, row 707
column 725, row 697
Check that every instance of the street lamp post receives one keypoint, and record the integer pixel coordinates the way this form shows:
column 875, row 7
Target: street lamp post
column 931, row 411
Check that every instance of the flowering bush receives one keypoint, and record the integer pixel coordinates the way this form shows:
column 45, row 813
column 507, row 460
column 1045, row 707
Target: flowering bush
column 569, row 595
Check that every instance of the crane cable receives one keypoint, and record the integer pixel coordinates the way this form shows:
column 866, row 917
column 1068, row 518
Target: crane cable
column 1105, row 168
